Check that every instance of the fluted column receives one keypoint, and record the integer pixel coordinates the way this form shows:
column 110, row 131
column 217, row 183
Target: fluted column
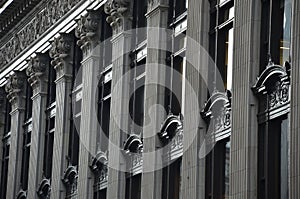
column 197, row 56
column 244, row 130
column 157, row 21
column 88, row 32
column 2, row 120
column 120, row 12
column 294, row 165
column 62, row 60
column 37, row 72
column 16, row 95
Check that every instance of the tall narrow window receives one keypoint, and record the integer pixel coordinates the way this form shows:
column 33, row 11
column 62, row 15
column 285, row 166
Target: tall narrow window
column 50, row 123
column 76, row 99
column 221, row 43
column 5, row 150
column 272, row 89
column 139, row 21
column 172, row 180
column 275, row 32
column 175, row 99
column 26, row 138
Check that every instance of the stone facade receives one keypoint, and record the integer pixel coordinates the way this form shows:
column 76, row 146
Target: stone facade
column 169, row 156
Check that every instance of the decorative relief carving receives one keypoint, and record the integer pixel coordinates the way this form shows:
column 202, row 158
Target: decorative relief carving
column 15, row 86
column 37, row 70
column 70, row 180
column 99, row 167
column 88, row 30
column 60, row 52
column 217, row 115
column 279, row 95
column 54, row 10
column 274, row 84
column 119, row 11
column 44, row 189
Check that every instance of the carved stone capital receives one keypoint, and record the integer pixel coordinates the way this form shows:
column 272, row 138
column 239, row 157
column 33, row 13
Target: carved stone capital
column 61, row 53
column 120, row 15
column 15, row 88
column 88, row 30
column 37, row 72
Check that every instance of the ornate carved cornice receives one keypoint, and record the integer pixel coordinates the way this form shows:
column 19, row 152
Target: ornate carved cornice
column 88, row 30
column 15, row 87
column 61, row 53
column 37, row 71
column 120, row 14
column 23, row 36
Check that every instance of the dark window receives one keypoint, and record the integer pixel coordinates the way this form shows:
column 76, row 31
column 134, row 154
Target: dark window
column 101, row 194
column 133, row 187
column 221, row 43
column 136, row 103
column 104, row 109
column 217, row 171
column 5, row 150
column 26, row 137
column 139, row 20
column 275, row 31
column 273, row 159
column 171, row 181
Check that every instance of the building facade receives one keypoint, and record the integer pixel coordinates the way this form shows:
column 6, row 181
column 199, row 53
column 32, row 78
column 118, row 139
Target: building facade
column 150, row 99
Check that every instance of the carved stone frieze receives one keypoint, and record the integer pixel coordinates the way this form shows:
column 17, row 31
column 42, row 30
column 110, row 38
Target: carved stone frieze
column 53, row 11
column 37, row 71
column 120, row 14
column 88, row 30
column 61, row 53
column 15, row 88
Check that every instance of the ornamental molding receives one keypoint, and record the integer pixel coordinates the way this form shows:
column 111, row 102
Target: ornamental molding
column 37, row 71
column 15, row 87
column 21, row 37
column 133, row 150
column 21, row 194
column 217, row 115
column 120, row 14
column 170, row 127
column 61, row 52
column 44, row 189
column 88, row 30
column 100, row 169
column 273, row 87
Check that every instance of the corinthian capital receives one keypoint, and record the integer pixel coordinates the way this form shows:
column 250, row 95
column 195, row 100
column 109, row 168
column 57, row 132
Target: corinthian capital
column 37, row 71
column 61, row 53
column 88, row 30
column 15, row 88
column 120, row 14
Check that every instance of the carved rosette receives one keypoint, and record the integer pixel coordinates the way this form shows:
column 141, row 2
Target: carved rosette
column 15, row 88
column 61, row 53
column 120, row 15
column 37, row 71
column 88, row 31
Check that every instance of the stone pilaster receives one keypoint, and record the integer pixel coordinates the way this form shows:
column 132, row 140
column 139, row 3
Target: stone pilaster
column 193, row 166
column 120, row 13
column 16, row 96
column 244, row 134
column 62, row 60
column 37, row 73
column 294, row 179
column 157, row 19
column 88, row 32
column 2, row 119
